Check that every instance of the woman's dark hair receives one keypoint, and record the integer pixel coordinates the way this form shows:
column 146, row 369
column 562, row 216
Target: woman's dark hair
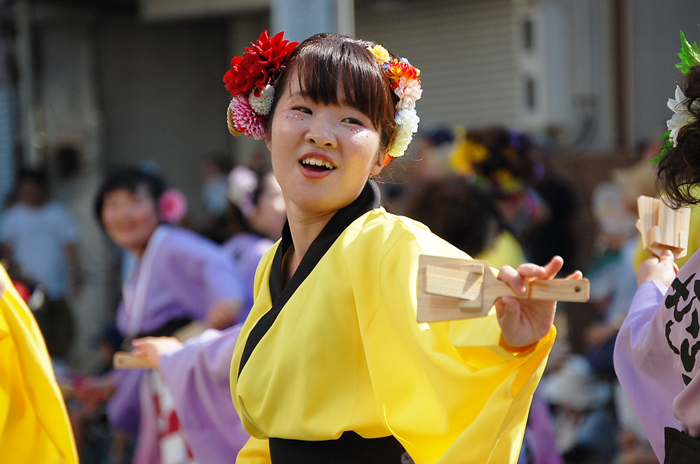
column 456, row 211
column 131, row 179
column 679, row 169
column 324, row 61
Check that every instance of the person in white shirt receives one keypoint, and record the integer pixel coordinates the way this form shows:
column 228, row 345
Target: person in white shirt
column 40, row 238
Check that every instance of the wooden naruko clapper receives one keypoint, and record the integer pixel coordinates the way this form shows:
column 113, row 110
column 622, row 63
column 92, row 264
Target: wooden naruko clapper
column 663, row 228
column 125, row 360
column 453, row 288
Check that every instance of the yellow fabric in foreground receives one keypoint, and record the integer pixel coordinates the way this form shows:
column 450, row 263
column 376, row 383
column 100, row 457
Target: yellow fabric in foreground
column 346, row 353
column 34, row 425
column 506, row 250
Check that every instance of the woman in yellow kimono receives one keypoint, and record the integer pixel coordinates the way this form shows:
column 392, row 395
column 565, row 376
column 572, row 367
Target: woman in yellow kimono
column 331, row 365
column 34, row 425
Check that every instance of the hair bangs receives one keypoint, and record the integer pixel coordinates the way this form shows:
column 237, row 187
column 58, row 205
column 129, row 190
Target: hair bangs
column 327, row 63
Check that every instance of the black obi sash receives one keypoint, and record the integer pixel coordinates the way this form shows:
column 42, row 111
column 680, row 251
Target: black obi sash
column 350, row 448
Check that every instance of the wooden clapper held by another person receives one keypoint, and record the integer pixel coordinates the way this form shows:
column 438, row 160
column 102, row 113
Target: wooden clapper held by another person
column 662, row 227
column 125, row 360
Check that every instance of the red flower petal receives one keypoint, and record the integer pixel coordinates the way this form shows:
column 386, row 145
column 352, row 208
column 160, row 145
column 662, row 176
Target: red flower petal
column 260, row 64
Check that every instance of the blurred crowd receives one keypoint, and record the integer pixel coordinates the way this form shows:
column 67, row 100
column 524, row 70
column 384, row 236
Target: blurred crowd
column 485, row 190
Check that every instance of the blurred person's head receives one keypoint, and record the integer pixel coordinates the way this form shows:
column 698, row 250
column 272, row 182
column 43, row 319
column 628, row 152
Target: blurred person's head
column 32, row 187
column 257, row 202
column 505, row 164
column 432, row 152
column 127, row 207
column 214, row 184
column 456, row 211
column 615, row 221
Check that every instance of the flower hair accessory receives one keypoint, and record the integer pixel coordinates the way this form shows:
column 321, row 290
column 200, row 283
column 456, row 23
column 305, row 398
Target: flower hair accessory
column 172, row 206
column 406, row 85
column 466, row 153
column 251, row 82
column 690, row 56
column 242, row 183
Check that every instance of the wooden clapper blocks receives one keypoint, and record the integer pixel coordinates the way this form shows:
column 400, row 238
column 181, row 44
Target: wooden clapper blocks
column 662, row 227
column 125, row 360
column 453, row 288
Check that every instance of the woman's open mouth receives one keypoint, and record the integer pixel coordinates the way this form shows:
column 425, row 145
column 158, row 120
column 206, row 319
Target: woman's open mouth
column 316, row 164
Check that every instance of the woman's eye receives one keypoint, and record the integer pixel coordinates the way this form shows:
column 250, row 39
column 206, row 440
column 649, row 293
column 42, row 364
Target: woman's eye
column 353, row 121
column 302, row 109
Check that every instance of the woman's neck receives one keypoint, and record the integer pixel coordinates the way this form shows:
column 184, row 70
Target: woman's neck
column 141, row 249
column 304, row 229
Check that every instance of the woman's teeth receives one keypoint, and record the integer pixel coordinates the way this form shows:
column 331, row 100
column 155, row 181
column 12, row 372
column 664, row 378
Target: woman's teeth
column 317, row 162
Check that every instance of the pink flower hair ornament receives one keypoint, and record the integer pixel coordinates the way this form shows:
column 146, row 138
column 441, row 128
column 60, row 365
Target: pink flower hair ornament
column 172, row 206
column 251, row 82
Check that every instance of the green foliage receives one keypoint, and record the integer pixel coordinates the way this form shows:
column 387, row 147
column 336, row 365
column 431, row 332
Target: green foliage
column 665, row 145
column 689, row 55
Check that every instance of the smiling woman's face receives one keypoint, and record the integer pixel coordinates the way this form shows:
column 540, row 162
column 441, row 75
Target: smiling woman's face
column 130, row 218
column 322, row 154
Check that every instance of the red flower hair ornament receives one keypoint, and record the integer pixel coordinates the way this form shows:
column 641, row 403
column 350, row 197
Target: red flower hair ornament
column 252, row 77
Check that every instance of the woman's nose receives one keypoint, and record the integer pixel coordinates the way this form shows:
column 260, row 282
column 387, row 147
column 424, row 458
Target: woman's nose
column 321, row 133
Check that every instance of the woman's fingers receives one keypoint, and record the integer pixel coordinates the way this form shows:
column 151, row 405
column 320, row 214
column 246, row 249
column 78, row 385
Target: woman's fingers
column 553, row 267
column 510, row 276
column 576, row 275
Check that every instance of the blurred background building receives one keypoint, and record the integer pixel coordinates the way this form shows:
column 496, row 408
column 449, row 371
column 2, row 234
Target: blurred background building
column 87, row 84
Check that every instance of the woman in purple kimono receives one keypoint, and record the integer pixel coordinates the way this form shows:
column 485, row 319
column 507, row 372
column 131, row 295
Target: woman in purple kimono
column 179, row 278
column 258, row 206
column 657, row 355
column 197, row 372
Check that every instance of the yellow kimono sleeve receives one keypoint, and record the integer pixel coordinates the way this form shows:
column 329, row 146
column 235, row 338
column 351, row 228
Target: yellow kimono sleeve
column 449, row 392
column 34, row 425
column 255, row 451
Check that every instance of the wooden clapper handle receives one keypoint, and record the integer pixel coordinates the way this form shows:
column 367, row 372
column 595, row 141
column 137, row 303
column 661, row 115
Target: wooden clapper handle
column 125, row 360
column 452, row 288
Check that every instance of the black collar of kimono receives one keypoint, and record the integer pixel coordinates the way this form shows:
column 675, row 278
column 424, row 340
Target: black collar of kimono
column 368, row 200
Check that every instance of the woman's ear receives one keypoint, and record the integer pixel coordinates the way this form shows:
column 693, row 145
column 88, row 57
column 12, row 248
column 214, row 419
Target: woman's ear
column 382, row 159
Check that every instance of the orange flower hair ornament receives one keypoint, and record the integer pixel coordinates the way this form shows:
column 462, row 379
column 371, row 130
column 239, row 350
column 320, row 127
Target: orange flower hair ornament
column 251, row 82
column 406, row 85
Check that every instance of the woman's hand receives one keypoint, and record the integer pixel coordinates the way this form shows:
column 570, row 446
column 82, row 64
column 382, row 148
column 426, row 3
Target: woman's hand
column 223, row 314
column 524, row 322
column 662, row 269
column 150, row 349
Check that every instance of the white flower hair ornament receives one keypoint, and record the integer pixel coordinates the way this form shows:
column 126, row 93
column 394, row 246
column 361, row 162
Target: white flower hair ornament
column 406, row 85
column 681, row 115
column 690, row 57
column 242, row 183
